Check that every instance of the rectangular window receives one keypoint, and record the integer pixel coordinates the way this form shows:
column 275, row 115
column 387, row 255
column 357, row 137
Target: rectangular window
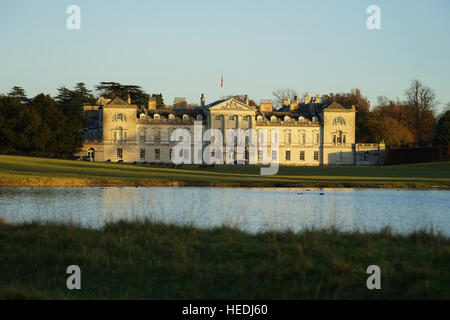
column 288, row 156
column 317, row 138
column 157, row 135
column 231, row 118
column 274, row 155
column 125, row 136
column 274, row 132
column 157, row 154
column 142, row 154
column 200, row 155
column 302, row 155
column 334, row 139
column 171, row 154
column 260, row 154
column 289, row 138
column 115, row 136
column 344, row 139
column 119, row 153
column 142, row 136
column 316, row 155
column 304, row 138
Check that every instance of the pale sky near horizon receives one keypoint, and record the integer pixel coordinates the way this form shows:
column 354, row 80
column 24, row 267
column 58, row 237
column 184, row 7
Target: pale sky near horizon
column 181, row 48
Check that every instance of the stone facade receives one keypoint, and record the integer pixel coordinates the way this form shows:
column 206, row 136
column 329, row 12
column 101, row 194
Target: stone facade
column 310, row 133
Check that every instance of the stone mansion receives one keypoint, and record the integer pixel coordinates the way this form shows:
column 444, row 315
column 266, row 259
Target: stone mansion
column 310, row 133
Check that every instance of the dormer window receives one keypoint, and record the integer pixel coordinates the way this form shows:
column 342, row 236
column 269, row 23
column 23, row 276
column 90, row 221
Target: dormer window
column 315, row 119
column 259, row 118
column 301, row 119
column 273, row 118
column 185, row 117
column 287, row 118
column 142, row 116
column 156, row 116
column 199, row 117
column 171, row 116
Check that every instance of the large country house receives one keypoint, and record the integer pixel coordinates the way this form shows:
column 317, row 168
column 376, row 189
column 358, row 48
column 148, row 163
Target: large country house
column 310, row 133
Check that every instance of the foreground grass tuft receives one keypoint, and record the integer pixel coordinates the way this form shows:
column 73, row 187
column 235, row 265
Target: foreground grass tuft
column 147, row 260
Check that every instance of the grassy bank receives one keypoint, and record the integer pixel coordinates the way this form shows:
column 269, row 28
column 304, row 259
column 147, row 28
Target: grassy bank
column 154, row 261
column 40, row 172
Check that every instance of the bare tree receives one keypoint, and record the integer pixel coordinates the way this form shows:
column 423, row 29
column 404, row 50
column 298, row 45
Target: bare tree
column 281, row 94
column 423, row 102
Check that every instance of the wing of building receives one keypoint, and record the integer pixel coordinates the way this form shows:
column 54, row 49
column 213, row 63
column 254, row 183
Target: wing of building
column 310, row 133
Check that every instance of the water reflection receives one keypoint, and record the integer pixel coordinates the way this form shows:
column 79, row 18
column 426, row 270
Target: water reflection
column 252, row 210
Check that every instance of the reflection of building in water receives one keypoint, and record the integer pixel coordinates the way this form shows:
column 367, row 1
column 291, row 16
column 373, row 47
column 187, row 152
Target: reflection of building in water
column 309, row 133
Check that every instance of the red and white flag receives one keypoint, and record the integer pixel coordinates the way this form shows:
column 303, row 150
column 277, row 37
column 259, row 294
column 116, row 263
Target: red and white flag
column 221, row 81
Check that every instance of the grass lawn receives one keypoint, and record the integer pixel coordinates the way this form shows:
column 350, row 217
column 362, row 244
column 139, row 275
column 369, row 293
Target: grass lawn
column 16, row 171
column 153, row 261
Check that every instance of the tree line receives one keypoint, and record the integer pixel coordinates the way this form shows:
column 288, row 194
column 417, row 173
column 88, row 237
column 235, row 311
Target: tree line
column 53, row 126
column 412, row 121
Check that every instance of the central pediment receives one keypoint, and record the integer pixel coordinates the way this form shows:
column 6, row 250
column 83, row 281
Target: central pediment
column 230, row 104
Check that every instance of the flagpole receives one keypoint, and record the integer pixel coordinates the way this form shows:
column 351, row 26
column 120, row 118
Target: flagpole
column 221, row 86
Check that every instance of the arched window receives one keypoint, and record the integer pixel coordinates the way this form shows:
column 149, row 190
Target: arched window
column 339, row 137
column 185, row 117
column 119, row 134
column 91, row 154
column 171, row 116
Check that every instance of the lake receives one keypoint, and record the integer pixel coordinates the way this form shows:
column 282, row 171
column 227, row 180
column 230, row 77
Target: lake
column 249, row 209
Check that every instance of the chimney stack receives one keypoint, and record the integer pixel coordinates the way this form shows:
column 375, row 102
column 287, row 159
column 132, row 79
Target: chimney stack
column 317, row 98
column 179, row 103
column 307, row 99
column 129, row 98
column 246, row 99
column 294, row 104
column 266, row 105
column 152, row 103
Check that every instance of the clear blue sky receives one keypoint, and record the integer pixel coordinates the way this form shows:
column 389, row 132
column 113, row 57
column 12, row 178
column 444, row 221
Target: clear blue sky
column 180, row 48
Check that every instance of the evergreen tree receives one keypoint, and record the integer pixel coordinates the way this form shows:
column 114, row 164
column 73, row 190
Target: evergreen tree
column 442, row 136
column 18, row 93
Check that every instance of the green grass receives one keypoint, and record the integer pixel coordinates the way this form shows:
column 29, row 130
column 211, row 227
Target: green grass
column 27, row 171
column 153, row 261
